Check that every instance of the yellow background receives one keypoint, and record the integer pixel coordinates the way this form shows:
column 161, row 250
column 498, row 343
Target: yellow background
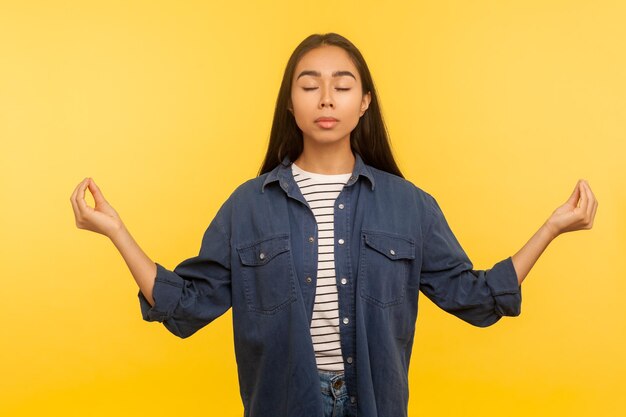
column 495, row 108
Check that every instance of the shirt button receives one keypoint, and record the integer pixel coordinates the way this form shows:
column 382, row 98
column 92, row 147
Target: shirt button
column 346, row 320
column 351, row 177
column 349, row 359
column 311, row 238
column 308, row 279
column 344, row 281
column 352, row 400
column 341, row 241
column 262, row 255
column 391, row 251
column 341, row 206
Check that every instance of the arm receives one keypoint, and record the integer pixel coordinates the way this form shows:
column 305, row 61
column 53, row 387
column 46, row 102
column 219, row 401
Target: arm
column 104, row 219
column 143, row 269
column 482, row 297
column 576, row 214
column 448, row 278
column 184, row 299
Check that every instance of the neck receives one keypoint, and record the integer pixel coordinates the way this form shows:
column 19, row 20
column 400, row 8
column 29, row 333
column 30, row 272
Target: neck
column 327, row 159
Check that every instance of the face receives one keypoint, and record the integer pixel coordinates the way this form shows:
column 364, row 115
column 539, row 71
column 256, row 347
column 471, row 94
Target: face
column 326, row 95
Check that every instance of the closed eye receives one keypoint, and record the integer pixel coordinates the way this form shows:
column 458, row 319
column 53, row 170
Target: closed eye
column 315, row 88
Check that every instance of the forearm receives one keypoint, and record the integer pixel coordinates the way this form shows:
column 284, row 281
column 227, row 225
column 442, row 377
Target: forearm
column 526, row 257
column 141, row 266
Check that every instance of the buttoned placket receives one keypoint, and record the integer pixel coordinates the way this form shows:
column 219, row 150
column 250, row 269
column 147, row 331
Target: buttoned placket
column 343, row 269
column 345, row 284
column 309, row 227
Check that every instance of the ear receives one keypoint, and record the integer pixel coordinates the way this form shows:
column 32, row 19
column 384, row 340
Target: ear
column 365, row 102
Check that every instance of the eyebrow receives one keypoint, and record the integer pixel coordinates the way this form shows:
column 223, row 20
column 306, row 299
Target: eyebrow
column 318, row 74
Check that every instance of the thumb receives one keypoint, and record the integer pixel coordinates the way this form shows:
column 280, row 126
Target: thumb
column 97, row 194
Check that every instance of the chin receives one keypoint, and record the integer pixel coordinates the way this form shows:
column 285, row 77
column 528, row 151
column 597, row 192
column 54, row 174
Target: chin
column 328, row 137
column 326, row 141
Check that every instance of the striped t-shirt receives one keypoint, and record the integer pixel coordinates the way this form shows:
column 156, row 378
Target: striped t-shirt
column 321, row 191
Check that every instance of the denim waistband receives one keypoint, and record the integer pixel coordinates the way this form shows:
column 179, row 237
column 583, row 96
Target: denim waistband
column 333, row 383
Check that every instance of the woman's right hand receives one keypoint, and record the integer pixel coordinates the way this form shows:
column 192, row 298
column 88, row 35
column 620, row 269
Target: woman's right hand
column 101, row 219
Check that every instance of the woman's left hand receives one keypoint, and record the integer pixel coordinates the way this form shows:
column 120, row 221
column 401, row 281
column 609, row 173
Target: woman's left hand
column 577, row 213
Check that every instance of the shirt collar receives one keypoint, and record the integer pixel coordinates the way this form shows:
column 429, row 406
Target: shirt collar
column 282, row 172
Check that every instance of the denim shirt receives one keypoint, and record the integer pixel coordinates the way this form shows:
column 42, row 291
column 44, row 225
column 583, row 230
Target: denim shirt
column 259, row 256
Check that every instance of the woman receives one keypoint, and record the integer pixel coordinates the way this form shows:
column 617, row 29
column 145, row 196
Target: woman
column 323, row 254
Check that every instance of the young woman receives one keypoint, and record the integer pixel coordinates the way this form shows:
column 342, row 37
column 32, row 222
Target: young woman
column 322, row 256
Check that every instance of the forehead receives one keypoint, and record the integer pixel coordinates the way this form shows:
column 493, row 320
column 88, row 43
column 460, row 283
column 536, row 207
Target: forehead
column 326, row 60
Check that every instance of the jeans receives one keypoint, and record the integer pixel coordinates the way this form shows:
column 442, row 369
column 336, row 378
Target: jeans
column 334, row 393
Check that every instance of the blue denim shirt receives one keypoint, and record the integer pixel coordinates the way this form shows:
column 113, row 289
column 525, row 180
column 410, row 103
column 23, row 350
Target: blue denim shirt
column 259, row 256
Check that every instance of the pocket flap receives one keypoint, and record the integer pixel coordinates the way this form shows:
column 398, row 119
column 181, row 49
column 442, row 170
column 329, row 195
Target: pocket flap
column 262, row 252
column 392, row 246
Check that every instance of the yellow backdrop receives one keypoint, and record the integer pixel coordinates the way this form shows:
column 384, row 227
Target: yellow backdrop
column 495, row 108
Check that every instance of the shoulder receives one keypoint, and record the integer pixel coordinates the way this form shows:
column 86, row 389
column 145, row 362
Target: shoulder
column 397, row 186
column 251, row 185
column 243, row 195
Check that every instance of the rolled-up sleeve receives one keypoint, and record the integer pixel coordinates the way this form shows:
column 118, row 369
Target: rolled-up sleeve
column 480, row 297
column 198, row 290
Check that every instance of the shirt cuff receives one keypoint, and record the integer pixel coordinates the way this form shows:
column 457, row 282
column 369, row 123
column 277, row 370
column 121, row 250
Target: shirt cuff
column 506, row 291
column 168, row 288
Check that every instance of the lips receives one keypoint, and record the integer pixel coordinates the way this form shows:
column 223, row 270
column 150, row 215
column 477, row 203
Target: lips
column 326, row 122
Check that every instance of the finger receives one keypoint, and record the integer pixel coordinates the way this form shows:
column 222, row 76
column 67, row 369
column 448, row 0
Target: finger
column 591, row 194
column 73, row 196
column 73, row 199
column 592, row 200
column 95, row 191
column 593, row 213
column 584, row 200
column 82, row 204
column 573, row 199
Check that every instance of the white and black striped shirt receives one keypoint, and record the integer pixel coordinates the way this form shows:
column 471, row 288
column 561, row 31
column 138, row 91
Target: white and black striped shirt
column 321, row 191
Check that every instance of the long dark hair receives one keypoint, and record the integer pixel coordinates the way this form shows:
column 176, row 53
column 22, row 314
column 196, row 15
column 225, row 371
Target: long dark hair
column 369, row 138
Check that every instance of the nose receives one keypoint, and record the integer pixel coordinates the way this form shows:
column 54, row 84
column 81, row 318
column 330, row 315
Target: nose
column 326, row 99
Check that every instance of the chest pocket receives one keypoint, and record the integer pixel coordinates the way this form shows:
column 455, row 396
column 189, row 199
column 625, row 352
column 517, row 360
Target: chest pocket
column 385, row 262
column 268, row 274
